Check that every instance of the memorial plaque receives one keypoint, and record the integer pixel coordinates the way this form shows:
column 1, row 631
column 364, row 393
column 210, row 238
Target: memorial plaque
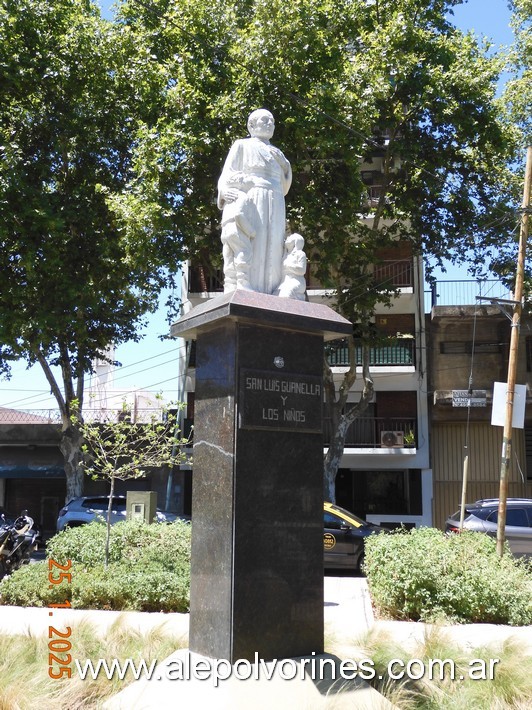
column 271, row 400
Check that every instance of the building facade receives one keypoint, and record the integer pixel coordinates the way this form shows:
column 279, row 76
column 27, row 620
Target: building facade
column 385, row 474
column 468, row 353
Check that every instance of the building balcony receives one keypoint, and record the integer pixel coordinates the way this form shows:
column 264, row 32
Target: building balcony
column 389, row 273
column 205, row 279
column 465, row 292
column 383, row 433
column 399, row 352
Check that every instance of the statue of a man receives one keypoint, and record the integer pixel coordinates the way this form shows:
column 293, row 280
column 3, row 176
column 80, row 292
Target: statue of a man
column 255, row 178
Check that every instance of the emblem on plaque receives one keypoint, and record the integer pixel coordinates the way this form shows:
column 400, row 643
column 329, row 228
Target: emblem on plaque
column 329, row 541
column 278, row 361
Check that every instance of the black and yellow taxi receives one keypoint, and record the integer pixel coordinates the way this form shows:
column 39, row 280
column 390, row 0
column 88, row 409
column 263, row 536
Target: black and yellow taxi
column 343, row 537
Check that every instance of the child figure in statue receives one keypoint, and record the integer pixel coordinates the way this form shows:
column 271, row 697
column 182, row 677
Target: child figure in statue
column 293, row 284
column 239, row 225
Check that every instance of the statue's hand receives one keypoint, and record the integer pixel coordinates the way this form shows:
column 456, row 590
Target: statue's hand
column 279, row 157
column 230, row 194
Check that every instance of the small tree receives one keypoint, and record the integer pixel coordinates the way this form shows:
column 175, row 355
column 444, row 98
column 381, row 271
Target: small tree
column 125, row 449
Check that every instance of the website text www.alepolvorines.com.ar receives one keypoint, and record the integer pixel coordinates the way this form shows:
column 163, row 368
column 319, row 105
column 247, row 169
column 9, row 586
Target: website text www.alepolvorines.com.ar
column 315, row 667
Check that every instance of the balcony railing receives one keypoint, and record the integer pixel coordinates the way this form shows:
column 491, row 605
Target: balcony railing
column 393, row 273
column 399, row 353
column 464, row 292
column 390, row 273
column 204, row 279
column 377, row 433
column 364, row 433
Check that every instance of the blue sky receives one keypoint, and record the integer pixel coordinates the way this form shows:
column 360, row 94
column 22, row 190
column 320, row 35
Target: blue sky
column 152, row 364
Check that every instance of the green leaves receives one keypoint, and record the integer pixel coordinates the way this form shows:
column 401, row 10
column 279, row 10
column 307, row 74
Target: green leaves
column 72, row 108
column 337, row 76
column 126, row 449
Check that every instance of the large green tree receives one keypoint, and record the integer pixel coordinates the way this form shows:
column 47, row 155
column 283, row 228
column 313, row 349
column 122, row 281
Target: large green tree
column 75, row 94
column 518, row 92
column 518, row 99
column 345, row 80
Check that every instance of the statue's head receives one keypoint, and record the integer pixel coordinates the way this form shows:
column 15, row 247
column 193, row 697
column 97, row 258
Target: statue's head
column 294, row 241
column 261, row 124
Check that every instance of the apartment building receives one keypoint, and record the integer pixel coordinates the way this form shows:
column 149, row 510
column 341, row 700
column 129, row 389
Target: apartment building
column 384, row 475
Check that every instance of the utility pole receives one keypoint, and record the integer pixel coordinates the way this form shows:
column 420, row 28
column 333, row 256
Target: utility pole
column 512, row 361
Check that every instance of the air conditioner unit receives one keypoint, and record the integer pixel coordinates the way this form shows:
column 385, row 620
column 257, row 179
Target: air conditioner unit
column 392, row 439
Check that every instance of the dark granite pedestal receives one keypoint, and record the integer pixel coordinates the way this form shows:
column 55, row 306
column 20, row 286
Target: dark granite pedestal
column 257, row 496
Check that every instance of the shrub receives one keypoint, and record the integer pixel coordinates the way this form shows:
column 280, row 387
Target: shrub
column 119, row 586
column 149, row 569
column 425, row 575
column 129, row 540
column 29, row 586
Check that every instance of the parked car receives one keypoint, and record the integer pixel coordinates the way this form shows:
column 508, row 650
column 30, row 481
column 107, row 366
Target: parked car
column 83, row 510
column 482, row 517
column 343, row 537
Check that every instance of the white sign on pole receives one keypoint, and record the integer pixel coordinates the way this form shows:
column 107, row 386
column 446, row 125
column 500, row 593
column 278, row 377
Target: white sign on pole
column 498, row 412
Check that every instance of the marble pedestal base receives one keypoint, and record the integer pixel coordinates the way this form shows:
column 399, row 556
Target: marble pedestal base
column 257, row 497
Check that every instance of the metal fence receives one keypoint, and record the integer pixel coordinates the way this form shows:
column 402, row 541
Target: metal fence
column 399, row 352
column 53, row 416
column 377, row 432
column 464, row 292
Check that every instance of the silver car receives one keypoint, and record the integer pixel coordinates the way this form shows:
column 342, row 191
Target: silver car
column 482, row 517
column 83, row 510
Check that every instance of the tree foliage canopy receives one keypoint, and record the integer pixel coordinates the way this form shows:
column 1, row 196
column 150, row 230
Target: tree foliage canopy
column 74, row 95
column 345, row 81
column 518, row 92
column 76, row 92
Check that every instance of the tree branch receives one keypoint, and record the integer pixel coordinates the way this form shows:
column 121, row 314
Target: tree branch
column 52, row 382
column 367, row 391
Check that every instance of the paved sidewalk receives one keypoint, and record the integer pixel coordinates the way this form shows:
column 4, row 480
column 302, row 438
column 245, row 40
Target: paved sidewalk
column 348, row 616
column 347, row 611
column 36, row 621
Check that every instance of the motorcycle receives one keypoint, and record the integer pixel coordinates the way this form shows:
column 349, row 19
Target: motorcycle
column 17, row 542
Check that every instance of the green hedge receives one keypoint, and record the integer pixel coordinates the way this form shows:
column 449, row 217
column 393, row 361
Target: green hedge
column 423, row 574
column 149, row 569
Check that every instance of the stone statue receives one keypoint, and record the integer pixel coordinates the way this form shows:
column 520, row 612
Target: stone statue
column 255, row 178
column 294, row 267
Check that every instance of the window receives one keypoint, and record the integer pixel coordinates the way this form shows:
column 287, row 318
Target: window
column 514, row 516
column 331, row 521
column 103, row 503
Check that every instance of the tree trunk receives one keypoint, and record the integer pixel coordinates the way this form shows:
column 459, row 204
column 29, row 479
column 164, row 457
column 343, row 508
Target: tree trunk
column 109, row 509
column 341, row 420
column 333, row 458
column 70, row 446
column 70, row 404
